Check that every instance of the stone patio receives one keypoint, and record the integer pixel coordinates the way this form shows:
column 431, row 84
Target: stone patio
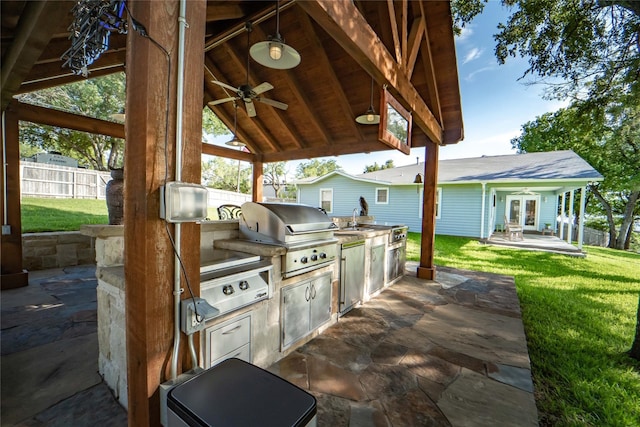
column 451, row 352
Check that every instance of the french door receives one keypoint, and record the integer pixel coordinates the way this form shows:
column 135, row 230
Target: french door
column 523, row 210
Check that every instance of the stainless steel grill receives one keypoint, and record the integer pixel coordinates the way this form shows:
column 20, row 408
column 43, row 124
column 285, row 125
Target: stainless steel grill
column 305, row 231
column 234, row 279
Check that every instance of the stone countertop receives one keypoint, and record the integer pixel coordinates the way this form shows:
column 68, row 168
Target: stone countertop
column 102, row 230
column 250, row 247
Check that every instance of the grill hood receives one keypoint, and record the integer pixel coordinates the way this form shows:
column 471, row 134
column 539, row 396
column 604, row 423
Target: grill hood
column 284, row 223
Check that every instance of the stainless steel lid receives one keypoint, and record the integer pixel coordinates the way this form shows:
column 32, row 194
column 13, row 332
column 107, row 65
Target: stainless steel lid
column 283, row 222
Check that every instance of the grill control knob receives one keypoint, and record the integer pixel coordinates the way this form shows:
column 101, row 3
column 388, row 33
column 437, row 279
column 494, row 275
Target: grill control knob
column 314, row 257
column 244, row 285
column 304, row 260
column 323, row 255
column 227, row 290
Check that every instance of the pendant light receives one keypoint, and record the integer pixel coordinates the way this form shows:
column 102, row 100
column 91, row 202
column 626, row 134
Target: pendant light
column 235, row 141
column 274, row 53
column 370, row 117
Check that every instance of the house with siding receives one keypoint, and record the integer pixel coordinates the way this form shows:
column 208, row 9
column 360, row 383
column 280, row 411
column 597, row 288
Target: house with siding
column 474, row 195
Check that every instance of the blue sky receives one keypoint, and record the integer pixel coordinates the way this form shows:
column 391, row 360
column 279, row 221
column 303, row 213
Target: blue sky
column 495, row 104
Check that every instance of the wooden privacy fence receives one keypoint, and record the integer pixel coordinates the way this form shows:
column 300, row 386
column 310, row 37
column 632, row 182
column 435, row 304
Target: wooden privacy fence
column 45, row 180
column 591, row 236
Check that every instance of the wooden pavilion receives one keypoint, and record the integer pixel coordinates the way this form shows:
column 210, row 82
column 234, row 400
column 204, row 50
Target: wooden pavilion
column 405, row 47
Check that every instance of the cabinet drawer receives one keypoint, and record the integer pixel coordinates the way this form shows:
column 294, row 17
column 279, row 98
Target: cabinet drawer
column 242, row 353
column 228, row 337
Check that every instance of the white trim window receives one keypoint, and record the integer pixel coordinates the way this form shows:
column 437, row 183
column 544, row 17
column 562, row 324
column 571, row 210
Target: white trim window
column 438, row 203
column 326, row 199
column 382, row 196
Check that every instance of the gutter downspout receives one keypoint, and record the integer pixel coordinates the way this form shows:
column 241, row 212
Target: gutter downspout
column 484, row 195
column 5, row 186
column 177, row 290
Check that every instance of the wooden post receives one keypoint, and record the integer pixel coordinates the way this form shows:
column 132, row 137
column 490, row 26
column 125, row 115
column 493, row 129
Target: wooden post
column 258, row 177
column 427, row 270
column 13, row 276
column 151, row 144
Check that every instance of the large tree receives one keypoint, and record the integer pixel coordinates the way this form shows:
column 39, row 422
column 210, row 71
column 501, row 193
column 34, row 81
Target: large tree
column 230, row 175
column 275, row 175
column 100, row 98
column 610, row 142
column 579, row 47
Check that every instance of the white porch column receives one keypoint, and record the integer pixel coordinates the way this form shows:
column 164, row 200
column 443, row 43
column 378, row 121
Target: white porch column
column 570, row 215
column 562, row 207
column 581, row 223
column 484, row 195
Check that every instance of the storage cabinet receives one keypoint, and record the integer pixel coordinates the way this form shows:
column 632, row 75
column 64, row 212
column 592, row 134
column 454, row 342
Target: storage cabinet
column 228, row 339
column 376, row 270
column 351, row 275
column 305, row 307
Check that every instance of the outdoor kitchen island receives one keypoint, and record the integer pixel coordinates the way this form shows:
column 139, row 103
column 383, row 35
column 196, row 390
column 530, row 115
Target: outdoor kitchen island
column 296, row 308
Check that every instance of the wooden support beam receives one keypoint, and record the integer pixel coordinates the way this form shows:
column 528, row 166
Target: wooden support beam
column 343, row 21
column 258, row 178
column 37, row 24
column 63, row 119
column 427, row 270
column 336, row 149
column 13, row 276
column 305, row 22
column 149, row 256
column 33, row 85
column 228, row 153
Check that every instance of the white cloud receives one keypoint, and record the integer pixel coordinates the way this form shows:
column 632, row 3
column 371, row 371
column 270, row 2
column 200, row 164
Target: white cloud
column 471, row 75
column 465, row 33
column 474, row 53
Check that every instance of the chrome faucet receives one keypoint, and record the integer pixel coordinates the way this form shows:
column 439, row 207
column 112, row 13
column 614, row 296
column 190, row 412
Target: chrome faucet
column 353, row 219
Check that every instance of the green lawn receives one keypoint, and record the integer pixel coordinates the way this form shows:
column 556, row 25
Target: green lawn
column 41, row 214
column 45, row 214
column 579, row 317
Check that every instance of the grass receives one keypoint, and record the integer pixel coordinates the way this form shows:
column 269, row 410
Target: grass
column 579, row 317
column 46, row 214
column 42, row 214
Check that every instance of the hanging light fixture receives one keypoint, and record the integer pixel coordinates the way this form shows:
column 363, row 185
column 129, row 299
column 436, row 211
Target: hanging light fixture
column 235, row 141
column 370, row 117
column 274, row 53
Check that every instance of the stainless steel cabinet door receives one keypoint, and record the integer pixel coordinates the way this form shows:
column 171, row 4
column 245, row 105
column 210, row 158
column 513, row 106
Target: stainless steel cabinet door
column 295, row 304
column 376, row 275
column 351, row 276
column 320, row 301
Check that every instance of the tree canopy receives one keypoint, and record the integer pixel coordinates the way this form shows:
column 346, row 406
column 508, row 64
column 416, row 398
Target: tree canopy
column 99, row 98
column 585, row 47
column 376, row 167
column 316, row 167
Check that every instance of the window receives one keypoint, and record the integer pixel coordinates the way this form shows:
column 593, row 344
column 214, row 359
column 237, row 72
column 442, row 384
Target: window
column 382, row 196
column 438, row 203
column 326, row 199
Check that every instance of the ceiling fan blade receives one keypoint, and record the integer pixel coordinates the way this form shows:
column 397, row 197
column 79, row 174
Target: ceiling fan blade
column 262, row 87
column 273, row 103
column 251, row 109
column 224, row 85
column 221, row 101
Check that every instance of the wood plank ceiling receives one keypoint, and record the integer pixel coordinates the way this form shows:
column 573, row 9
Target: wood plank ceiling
column 412, row 40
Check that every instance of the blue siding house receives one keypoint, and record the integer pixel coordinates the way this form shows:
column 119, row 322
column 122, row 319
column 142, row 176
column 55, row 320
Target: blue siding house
column 474, row 195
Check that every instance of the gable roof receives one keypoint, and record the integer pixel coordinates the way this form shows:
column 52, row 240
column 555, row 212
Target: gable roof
column 550, row 165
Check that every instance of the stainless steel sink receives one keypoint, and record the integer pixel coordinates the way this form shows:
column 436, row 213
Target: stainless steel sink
column 352, row 229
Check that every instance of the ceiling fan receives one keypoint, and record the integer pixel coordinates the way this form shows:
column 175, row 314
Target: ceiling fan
column 247, row 93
